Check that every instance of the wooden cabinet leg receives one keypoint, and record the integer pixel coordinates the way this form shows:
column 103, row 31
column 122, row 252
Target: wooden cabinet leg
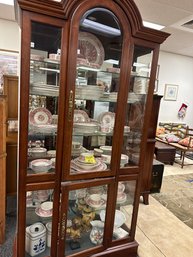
column 146, row 198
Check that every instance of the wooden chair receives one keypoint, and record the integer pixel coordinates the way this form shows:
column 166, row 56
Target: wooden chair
column 186, row 135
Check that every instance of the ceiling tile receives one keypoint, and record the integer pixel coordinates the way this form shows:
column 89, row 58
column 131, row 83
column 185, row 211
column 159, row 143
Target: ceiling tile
column 156, row 12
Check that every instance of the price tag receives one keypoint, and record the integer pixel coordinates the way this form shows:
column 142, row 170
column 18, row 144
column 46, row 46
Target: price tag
column 90, row 159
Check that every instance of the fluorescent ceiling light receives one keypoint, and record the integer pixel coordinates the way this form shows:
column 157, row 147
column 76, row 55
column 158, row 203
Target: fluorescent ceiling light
column 8, row 2
column 153, row 25
column 112, row 61
column 100, row 27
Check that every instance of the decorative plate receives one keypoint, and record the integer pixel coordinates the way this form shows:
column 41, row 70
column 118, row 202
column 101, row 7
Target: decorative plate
column 91, row 48
column 107, row 117
column 40, row 116
column 80, row 116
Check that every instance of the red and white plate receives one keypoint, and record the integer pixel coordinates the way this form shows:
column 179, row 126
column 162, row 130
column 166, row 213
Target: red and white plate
column 107, row 118
column 91, row 49
column 80, row 116
column 40, row 116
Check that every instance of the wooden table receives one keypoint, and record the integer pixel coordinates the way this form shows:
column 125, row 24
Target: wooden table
column 165, row 153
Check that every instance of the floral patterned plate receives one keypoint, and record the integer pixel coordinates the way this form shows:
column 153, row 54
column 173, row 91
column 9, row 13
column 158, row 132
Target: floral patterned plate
column 40, row 116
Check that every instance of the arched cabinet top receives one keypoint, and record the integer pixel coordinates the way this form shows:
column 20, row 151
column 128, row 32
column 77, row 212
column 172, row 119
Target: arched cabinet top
column 63, row 9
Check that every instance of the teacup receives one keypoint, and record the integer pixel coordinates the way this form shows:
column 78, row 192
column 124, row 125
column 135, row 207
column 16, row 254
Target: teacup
column 47, row 207
column 106, row 158
column 95, row 199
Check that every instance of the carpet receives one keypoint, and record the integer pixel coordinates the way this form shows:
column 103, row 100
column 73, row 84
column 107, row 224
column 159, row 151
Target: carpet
column 177, row 196
column 6, row 250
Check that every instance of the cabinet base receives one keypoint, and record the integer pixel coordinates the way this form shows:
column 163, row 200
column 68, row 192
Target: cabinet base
column 126, row 250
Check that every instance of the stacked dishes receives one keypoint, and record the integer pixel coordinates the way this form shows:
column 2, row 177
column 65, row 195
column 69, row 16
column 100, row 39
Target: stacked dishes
column 40, row 120
column 89, row 163
column 37, row 152
column 90, row 127
column 89, row 92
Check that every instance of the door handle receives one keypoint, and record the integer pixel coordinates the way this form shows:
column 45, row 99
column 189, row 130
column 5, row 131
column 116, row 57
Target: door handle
column 70, row 105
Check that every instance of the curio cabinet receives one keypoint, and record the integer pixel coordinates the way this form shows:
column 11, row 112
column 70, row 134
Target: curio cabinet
column 88, row 71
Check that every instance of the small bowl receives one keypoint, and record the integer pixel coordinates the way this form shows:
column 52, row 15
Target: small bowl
column 37, row 152
column 41, row 165
column 107, row 149
column 51, row 153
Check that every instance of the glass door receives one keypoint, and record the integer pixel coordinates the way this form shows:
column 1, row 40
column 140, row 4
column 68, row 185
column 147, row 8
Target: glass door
column 83, row 225
column 43, row 97
column 93, row 90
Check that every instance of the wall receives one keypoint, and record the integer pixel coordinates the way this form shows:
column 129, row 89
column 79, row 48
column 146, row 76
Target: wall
column 10, row 35
column 178, row 70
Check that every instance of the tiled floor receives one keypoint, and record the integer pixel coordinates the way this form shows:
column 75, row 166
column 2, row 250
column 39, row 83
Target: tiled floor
column 159, row 233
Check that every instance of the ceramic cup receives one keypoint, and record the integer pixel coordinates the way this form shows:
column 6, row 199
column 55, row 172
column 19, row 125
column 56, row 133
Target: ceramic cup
column 47, row 207
column 95, row 199
column 106, row 158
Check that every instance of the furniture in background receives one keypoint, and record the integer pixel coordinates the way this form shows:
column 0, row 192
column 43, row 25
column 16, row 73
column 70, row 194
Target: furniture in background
column 10, row 89
column 165, row 153
column 178, row 136
column 2, row 166
column 157, row 175
column 150, row 146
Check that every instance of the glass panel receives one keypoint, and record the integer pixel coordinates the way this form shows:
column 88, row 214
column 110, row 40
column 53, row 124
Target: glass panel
column 85, row 225
column 136, row 105
column 43, row 98
column 39, row 206
column 124, row 209
column 97, row 85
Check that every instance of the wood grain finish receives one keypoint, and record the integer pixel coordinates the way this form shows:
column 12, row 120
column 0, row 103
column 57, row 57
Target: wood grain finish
column 2, row 167
column 10, row 89
column 147, row 173
column 66, row 15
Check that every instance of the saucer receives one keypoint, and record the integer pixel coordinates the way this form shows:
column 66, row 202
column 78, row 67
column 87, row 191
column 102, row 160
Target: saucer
column 42, row 213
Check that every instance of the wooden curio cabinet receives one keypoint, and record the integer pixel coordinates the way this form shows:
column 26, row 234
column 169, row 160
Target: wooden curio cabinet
column 88, row 71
